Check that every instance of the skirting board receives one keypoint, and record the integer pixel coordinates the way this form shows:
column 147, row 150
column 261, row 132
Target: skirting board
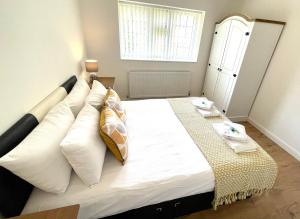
column 239, row 118
column 284, row 145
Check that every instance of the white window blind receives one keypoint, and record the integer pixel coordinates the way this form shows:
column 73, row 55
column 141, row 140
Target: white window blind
column 159, row 33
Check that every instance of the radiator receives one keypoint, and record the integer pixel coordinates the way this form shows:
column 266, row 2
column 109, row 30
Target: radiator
column 147, row 84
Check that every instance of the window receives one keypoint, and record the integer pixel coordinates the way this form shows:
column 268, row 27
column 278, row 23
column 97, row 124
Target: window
column 159, row 33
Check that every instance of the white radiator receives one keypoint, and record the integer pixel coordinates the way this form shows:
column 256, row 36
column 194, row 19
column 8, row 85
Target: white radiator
column 146, row 84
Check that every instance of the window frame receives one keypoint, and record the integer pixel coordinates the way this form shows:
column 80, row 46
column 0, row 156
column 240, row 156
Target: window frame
column 193, row 59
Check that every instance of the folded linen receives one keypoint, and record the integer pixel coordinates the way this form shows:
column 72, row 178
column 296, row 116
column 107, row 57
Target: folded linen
column 203, row 103
column 238, row 147
column 209, row 113
column 234, row 131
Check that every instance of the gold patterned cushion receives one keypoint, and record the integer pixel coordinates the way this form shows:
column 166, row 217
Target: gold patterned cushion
column 114, row 134
column 112, row 100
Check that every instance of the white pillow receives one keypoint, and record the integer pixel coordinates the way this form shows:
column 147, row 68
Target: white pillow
column 96, row 95
column 83, row 146
column 38, row 159
column 76, row 97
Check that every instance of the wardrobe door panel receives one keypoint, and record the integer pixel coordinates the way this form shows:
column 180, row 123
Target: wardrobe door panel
column 235, row 47
column 210, row 82
column 216, row 55
column 218, row 45
column 222, row 90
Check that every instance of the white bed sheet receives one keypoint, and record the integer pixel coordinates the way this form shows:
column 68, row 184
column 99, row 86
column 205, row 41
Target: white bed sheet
column 163, row 164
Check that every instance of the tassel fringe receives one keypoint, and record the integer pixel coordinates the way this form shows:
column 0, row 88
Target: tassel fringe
column 228, row 199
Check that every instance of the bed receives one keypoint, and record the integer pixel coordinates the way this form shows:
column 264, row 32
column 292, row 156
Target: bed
column 163, row 164
column 166, row 174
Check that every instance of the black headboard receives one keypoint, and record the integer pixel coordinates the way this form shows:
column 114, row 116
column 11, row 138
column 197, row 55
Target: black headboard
column 14, row 191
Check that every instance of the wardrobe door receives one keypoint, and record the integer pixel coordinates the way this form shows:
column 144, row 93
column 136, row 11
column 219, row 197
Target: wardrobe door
column 229, row 69
column 222, row 91
column 210, row 82
column 215, row 59
column 235, row 47
column 219, row 43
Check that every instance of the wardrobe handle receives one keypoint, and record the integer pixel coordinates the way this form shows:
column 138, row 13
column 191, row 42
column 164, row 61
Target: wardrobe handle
column 208, row 64
column 218, row 69
column 234, row 75
column 221, row 69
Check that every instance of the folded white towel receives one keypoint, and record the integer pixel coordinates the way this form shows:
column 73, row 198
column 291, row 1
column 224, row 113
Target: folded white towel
column 234, row 131
column 238, row 147
column 209, row 113
column 203, row 103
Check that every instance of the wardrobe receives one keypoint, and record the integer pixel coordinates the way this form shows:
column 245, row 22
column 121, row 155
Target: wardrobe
column 241, row 51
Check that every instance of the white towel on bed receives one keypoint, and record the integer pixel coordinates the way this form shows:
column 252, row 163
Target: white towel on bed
column 209, row 113
column 203, row 103
column 235, row 132
column 237, row 146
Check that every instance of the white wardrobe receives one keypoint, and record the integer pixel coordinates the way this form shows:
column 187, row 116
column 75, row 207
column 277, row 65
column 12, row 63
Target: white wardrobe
column 241, row 51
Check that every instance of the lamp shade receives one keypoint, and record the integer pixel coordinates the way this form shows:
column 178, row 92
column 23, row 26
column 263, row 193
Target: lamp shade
column 91, row 65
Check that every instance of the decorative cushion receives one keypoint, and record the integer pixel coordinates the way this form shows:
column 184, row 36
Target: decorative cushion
column 38, row 159
column 96, row 95
column 77, row 96
column 113, row 101
column 83, row 146
column 114, row 133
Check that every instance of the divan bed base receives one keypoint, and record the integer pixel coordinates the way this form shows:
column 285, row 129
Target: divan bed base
column 170, row 209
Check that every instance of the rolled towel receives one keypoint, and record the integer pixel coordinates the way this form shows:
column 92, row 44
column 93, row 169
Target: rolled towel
column 238, row 147
column 203, row 103
column 209, row 113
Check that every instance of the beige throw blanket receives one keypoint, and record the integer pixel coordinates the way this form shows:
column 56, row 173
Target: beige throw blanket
column 236, row 175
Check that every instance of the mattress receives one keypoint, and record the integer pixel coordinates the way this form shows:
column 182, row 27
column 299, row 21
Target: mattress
column 163, row 164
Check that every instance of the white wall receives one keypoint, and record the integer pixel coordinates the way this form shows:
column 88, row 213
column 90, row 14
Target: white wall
column 41, row 45
column 276, row 108
column 100, row 27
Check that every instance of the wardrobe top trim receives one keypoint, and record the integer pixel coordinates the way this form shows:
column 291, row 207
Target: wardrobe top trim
column 249, row 19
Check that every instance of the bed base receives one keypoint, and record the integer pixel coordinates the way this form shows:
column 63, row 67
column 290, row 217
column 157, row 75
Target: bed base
column 170, row 209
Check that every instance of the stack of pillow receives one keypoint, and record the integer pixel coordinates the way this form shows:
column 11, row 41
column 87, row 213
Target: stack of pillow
column 69, row 138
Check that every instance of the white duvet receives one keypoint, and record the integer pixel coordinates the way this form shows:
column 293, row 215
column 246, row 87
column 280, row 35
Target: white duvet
column 163, row 164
